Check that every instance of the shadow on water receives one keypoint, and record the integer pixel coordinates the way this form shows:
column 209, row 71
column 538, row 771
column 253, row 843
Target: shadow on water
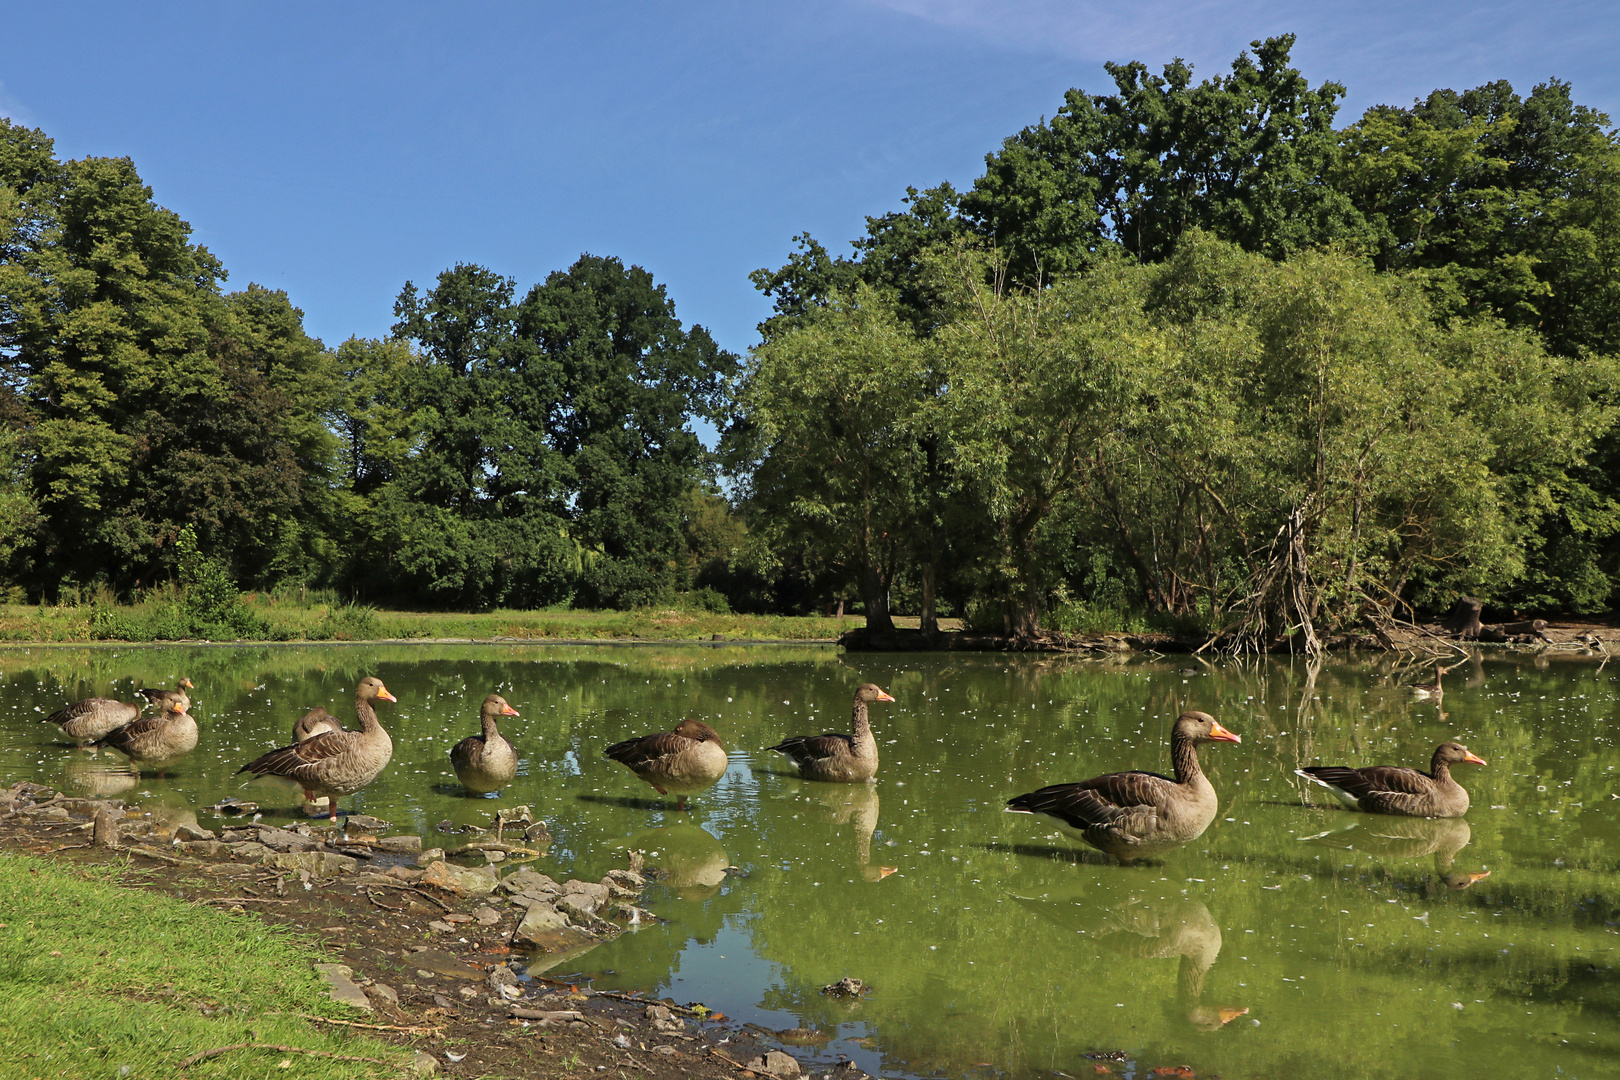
column 630, row 802
column 1074, row 856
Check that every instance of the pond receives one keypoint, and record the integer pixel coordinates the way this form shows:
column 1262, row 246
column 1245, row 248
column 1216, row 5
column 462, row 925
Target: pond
column 1291, row 939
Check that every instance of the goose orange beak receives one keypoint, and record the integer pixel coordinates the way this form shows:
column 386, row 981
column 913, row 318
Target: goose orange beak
column 186, row 683
column 884, row 696
column 1474, row 759
column 1220, row 734
column 507, row 710
column 386, row 696
column 1229, row 1015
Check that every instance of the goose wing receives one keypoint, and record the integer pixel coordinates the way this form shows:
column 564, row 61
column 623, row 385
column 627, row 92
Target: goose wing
column 303, row 760
column 803, row 748
column 121, row 738
column 1128, row 802
column 647, row 750
column 97, row 708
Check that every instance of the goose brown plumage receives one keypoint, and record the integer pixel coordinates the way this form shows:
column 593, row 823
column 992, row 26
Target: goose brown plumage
column 156, row 740
column 684, row 761
column 1391, row 789
column 1431, row 689
column 1130, row 815
column 313, row 723
column 335, row 763
column 91, row 719
column 158, row 696
column 486, row 762
column 849, row 759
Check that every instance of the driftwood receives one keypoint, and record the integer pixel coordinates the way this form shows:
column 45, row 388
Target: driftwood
column 1281, row 598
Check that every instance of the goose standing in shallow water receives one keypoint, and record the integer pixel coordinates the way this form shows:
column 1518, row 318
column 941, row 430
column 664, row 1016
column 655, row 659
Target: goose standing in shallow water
column 1131, row 815
column 335, row 763
column 1391, row 789
column 91, row 719
column 158, row 697
column 1424, row 690
column 157, row 740
column 486, row 762
column 850, row 759
column 680, row 762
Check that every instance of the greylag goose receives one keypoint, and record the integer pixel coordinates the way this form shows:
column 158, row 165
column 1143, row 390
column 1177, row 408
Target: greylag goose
column 850, row 759
column 1431, row 689
column 1391, row 789
column 487, row 762
column 683, row 762
column 156, row 740
column 335, row 763
column 88, row 720
column 158, row 696
column 313, row 723
column 1131, row 815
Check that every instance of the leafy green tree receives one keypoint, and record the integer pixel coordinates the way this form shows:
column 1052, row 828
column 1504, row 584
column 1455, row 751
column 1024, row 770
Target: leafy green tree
column 630, row 377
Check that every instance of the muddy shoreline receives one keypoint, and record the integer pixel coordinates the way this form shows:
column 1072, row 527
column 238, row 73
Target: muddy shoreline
column 466, row 965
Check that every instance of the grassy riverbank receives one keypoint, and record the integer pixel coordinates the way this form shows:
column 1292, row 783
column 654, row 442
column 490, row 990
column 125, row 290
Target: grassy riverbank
column 102, row 980
column 272, row 619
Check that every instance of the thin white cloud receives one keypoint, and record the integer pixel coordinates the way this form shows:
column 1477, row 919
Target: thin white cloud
column 13, row 109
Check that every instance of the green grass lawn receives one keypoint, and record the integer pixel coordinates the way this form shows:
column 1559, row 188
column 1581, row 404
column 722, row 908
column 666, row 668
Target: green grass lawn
column 294, row 621
column 97, row 980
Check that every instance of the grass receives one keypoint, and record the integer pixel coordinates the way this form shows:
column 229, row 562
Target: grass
column 100, row 980
column 294, row 620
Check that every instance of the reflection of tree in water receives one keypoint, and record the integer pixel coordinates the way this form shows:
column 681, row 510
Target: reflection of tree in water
column 1153, row 929
column 1407, row 838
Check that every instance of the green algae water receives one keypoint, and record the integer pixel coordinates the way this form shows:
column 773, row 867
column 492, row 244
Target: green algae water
column 1292, row 939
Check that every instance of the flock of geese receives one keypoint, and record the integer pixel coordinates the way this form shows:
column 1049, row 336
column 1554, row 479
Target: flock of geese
column 1129, row 815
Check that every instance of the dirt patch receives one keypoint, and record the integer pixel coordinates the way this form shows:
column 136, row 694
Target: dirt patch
column 429, row 967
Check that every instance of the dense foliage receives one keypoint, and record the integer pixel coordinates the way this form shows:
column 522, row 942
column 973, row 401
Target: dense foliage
column 1185, row 349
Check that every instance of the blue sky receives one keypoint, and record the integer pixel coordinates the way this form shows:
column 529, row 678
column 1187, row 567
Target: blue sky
column 337, row 150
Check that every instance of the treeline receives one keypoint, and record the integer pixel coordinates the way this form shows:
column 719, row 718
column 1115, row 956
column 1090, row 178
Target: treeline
column 1185, row 349
column 1189, row 349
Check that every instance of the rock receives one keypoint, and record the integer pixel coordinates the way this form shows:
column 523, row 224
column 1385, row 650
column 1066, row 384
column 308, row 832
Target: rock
column 458, row 918
column 404, row 873
column 461, row 880
column 229, row 807
column 384, row 993
column 252, row 851
column 399, row 845
column 50, row 813
column 208, row 848
column 540, row 917
column 635, row 916
column 193, row 832
column 625, row 879
column 314, row 863
column 670, row 1051
column 551, row 939
column 342, row 987
column 424, row 1064
column 529, row 881
column 845, row 988
column 486, row 916
column 538, row 834
column 366, row 823
column 439, row 962
column 591, row 896
column 105, row 831
column 504, row 983
column 775, row 1063
column 658, row 1012
column 579, row 909
column 431, row 855
column 441, row 927
column 286, row 840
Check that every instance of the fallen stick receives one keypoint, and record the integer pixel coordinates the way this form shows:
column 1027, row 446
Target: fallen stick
column 412, row 1029
column 543, row 1014
column 240, row 900
column 379, row 903
column 278, row 1048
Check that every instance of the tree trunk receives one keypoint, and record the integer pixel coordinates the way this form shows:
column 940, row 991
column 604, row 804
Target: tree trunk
column 1463, row 619
column 930, row 620
column 875, row 594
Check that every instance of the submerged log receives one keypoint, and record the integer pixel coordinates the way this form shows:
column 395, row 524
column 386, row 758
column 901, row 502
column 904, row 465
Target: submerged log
column 1463, row 619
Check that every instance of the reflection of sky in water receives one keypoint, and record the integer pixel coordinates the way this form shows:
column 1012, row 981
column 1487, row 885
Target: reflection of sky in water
column 1362, row 946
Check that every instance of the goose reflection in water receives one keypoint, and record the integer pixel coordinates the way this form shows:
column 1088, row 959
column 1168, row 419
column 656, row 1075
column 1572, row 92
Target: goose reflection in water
column 98, row 777
column 684, row 858
column 855, row 805
column 1408, row 838
column 1155, row 928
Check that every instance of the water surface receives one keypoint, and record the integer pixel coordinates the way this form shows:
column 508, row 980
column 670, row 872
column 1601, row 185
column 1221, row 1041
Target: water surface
column 1358, row 945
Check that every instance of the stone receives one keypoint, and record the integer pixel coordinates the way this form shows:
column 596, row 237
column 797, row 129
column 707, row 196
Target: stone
column 424, row 1063
column 366, row 823
column 501, row 981
column 540, row 917
column 538, row 834
column 431, row 855
column 577, row 907
column 592, row 895
column 776, row 1064
column 658, row 1012
column 625, row 879
column 635, row 916
column 251, row 850
column 845, row 988
column 529, row 881
column 106, row 831
column 193, row 832
column 404, row 873
column 314, row 863
column 441, row 927
column 439, row 962
column 286, row 840
column 209, row 848
column 461, row 880
column 384, row 993
column 458, row 918
column 549, row 938
column 343, row 988
column 399, row 845
column 486, row 916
